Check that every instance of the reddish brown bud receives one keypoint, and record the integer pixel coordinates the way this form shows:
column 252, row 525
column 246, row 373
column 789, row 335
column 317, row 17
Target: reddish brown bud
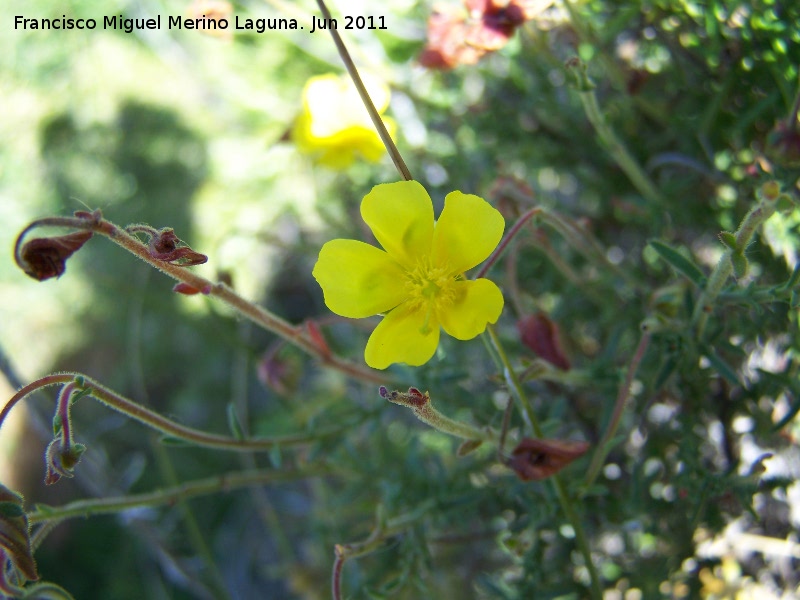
column 533, row 460
column 189, row 290
column 278, row 373
column 94, row 216
column 783, row 144
column 43, row 258
column 319, row 340
column 541, row 335
column 413, row 398
column 164, row 246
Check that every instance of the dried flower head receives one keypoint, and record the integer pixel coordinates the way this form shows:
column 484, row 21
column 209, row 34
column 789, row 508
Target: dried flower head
column 533, row 460
column 43, row 258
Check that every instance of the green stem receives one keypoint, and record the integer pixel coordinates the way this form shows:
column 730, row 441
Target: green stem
column 171, row 495
column 422, row 408
column 612, row 68
column 195, row 535
column 378, row 537
column 513, row 382
column 578, row 237
column 561, row 493
column 604, row 446
column 719, row 276
column 618, row 151
column 162, row 424
column 585, row 243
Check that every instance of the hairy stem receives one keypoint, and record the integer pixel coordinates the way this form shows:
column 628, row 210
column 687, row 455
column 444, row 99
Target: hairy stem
column 608, row 137
column 171, row 495
column 422, row 408
column 507, row 240
column 260, row 316
column 162, row 424
column 379, row 535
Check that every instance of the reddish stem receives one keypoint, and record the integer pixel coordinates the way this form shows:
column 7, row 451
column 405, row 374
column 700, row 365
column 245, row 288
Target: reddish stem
column 507, row 240
column 44, row 382
column 336, row 576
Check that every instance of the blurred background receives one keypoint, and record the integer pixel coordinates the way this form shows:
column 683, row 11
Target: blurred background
column 193, row 131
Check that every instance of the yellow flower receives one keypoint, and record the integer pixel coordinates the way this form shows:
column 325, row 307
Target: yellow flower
column 418, row 280
column 334, row 127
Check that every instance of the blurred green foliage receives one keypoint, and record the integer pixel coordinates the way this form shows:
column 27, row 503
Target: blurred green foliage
column 180, row 130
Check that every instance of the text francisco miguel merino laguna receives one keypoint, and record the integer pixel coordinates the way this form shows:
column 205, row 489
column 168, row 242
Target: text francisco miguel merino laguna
column 201, row 23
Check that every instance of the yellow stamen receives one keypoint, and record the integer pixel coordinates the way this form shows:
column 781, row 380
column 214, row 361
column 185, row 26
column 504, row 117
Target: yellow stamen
column 430, row 288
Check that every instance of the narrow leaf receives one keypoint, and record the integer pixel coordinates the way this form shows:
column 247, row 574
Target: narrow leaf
column 468, row 446
column 729, row 239
column 723, row 368
column 233, row 422
column 679, row 262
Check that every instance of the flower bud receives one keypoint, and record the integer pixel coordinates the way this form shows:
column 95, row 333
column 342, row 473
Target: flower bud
column 533, row 460
column 540, row 334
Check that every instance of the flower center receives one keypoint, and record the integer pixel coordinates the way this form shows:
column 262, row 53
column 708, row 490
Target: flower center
column 430, row 289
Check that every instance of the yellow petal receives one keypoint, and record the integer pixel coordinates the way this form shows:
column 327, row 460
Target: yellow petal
column 466, row 233
column 358, row 280
column 477, row 303
column 399, row 339
column 401, row 217
column 334, row 127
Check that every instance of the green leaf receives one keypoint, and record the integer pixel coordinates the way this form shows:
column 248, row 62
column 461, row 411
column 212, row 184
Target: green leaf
column 11, row 510
column 468, row 446
column 723, row 368
column 233, row 422
column 15, row 540
column 740, row 265
column 729, row 239
column 679, row 262
column 793, row 279
column 77, row 395
column 667, row 369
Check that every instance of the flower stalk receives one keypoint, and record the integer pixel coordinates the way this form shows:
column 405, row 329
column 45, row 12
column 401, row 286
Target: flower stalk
column 257, row 314
column 616, row 148
column 171, row 495
column 564, row 499
column 420, row 405
column 163, row 425
column 604, row 447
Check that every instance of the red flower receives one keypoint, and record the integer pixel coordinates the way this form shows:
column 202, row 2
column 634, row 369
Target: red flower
column 457, row 39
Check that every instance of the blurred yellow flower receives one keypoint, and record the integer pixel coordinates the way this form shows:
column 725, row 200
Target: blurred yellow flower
column 418, row 280
column 334, row 127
